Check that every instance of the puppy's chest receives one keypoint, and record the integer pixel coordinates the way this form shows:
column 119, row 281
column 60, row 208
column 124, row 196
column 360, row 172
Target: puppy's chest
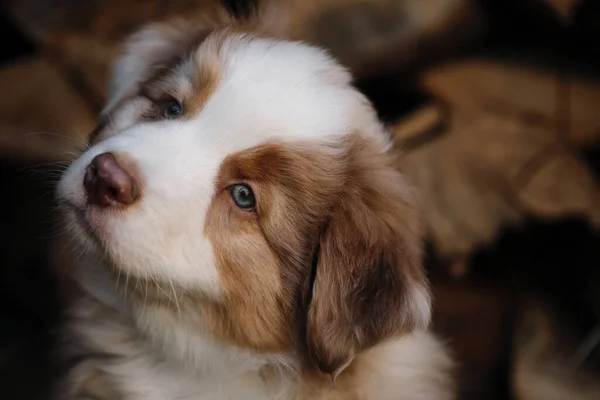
column 129, row 367
column 135, row 380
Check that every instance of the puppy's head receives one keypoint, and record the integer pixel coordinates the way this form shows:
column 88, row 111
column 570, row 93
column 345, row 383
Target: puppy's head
column 248, row 174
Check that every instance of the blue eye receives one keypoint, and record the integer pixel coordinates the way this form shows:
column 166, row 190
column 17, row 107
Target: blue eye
column 173, row 109
column 243, row 196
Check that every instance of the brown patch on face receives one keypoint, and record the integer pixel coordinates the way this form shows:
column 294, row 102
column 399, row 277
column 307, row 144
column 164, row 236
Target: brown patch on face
column 204, row 84
column 264, row 256
column 181, row 54
column 190, row 80
column 348, row 206
column 154, row 51
column 206, row 77
column 248, row 266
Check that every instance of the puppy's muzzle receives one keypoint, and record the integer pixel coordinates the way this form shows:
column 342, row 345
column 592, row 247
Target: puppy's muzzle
column 108, row 184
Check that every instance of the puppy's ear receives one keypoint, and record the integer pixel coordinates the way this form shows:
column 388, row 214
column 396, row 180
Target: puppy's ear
column 148, row 51
column 369, row 284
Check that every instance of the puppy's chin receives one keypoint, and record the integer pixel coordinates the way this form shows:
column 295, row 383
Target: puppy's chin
column 90, row 227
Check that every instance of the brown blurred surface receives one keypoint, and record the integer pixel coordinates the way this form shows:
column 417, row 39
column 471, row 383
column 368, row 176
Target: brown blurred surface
column 367, row 35
column 492, row 107
column 43, row 118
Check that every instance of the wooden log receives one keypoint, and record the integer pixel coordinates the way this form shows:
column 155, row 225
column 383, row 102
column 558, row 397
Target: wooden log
column 565, row 105
column 479, row 178
column 501, row 157
column 379, row 36
column 545, row 366
column 81, row 40
column 420, row 126
column 366, row 35
column 43, row 119
column 477, row 317
column 84, row 61
column 563, row 8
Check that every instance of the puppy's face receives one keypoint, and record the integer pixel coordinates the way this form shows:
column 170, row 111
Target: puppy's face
column 248, row 175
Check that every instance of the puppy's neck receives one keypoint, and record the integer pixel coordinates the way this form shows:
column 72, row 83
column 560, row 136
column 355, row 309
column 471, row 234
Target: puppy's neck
column 174, row 334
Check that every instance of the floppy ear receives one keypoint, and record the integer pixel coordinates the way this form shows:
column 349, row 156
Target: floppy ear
column 369, row 283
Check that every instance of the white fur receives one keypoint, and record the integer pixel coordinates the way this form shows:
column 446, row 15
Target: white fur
column 167, row 360
column 413, row 368
column 269, row 91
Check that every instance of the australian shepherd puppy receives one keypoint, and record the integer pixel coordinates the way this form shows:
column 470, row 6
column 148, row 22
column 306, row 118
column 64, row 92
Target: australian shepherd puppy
column 246, row 233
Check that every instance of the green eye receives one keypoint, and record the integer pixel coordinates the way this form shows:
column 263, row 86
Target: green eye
column 243, row 196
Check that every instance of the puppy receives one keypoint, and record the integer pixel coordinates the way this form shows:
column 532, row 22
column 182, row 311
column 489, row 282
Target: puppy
column 245, row 233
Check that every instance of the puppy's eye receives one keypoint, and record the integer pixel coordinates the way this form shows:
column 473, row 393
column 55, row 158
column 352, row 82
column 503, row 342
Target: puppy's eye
column 172, row 109
column 243, row 196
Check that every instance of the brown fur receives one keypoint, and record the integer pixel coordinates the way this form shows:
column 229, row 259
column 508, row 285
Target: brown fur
column 370, row 255
column 157, row 84
column 173, row 42
column 354, row 206
column 352, row 210
column 325, row 268
column 201, row 68
column 165, row 47
column 204, row 83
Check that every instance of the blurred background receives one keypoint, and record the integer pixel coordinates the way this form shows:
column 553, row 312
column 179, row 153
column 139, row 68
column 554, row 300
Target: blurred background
column 494, row 104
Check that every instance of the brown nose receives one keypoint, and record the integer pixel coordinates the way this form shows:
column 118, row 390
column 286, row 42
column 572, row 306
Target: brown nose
column 107, row 184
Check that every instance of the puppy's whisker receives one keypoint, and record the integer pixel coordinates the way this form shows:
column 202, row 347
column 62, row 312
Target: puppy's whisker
column 145, row 297
column 79, row 142
column 167, row 295
column 135, row 288
column 118, row 277
column 175, row 297
column 126, row 285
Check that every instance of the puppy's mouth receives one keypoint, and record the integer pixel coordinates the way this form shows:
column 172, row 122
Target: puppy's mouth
column 91, row 220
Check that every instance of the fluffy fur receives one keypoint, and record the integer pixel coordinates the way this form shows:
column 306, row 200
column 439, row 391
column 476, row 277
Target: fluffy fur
column 317, row 293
